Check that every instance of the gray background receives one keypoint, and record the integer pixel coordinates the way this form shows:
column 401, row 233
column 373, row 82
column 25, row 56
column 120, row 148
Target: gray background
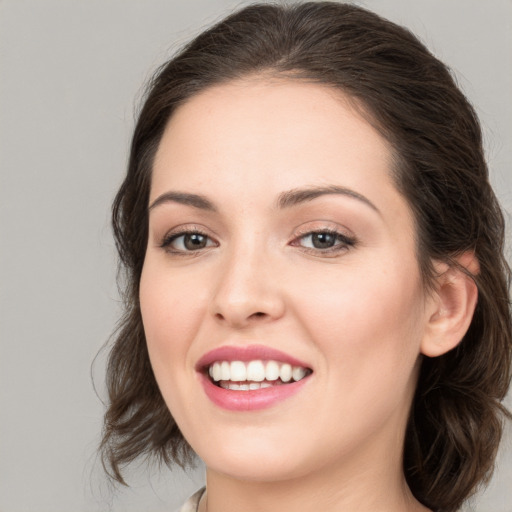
column 70, row 72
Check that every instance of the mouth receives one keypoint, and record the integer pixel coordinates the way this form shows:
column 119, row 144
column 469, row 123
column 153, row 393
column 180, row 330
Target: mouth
column 254, row 374
column 251, row 377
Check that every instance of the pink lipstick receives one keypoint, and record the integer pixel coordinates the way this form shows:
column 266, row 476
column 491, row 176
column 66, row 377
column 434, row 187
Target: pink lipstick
column 250, row 377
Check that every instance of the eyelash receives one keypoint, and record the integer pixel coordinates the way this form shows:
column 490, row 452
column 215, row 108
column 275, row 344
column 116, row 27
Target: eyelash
column 172, row 237
column 344, row 242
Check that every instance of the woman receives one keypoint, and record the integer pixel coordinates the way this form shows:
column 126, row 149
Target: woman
column 317, row 302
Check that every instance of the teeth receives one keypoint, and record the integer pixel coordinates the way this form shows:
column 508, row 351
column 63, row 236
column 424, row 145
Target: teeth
column 298, row 373
column 216, row 371
column 238, row 371
column 224, row 370
column 244, row 387
column 230, row 385
column 259, row 373
column 286, row 372
column 256, row 371
column 272, row 371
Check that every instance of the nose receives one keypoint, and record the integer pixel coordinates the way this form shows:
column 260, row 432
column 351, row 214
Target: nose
column 248, row 290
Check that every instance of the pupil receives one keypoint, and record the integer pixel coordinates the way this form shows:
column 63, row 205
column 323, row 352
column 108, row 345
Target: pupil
column 195, row 241
column 323, row 240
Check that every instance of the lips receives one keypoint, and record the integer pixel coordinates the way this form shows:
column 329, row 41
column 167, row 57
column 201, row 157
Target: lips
column 252, row 377
column 248, row 353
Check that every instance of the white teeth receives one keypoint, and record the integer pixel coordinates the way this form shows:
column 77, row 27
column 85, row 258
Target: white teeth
column 286, row 373
column 230, row 385
column 216, row 371
column 225, row 372
column 298, row 373
column 272, row 371
column 238, row 371
column 257, row 371
column 244, row 387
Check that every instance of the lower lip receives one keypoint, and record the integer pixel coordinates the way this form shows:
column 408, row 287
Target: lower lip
column 249, row 400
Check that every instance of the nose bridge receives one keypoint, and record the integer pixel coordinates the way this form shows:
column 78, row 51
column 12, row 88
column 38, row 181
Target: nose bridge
column 247, row 290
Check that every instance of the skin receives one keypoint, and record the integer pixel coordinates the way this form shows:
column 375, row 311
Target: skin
column 357, row 314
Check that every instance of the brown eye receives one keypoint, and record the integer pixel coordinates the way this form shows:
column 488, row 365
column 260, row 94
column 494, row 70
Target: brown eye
column 326, row 243
column 322, row 240
column 325, row 240
column 193, row 241
column 187, row 242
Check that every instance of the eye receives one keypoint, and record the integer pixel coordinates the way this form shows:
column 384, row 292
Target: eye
column 324, row 241
column 321, row 240
column 189, row 241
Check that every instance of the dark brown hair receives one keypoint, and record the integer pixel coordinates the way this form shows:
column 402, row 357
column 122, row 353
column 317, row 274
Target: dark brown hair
column 411, row 98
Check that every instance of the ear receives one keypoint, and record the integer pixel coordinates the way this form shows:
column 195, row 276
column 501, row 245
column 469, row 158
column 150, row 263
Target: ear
column 451, row 306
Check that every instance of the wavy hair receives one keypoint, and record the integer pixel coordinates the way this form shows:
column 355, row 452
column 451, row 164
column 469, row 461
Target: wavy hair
column 456, row 417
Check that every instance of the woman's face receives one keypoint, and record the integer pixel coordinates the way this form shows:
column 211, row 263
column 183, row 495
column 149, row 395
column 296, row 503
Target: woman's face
column 276, row 234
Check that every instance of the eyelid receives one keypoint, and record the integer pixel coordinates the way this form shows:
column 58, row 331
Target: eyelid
column 323, row 226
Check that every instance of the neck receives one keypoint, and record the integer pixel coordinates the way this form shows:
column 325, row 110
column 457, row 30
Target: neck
column 371, row 487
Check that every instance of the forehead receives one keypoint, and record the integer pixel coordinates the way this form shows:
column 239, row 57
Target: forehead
column 263, row 136
column 263, row 120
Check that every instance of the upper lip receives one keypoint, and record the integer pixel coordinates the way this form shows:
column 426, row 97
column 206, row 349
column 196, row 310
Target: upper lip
column 246, row 353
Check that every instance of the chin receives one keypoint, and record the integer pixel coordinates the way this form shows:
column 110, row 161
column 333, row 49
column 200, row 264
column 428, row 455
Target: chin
column 255, row 461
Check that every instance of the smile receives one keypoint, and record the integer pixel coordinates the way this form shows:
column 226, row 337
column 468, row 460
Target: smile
column 251, row 377
column 256, row 374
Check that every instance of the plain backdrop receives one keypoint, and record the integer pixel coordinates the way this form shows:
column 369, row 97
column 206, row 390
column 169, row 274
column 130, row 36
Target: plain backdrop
column 70, row 75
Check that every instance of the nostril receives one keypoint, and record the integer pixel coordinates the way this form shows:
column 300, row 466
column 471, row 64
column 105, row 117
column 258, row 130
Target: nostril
column 241, row 320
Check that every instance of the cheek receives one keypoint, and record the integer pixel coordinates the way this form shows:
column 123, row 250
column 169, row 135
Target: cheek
column 368, row 328
column 368, row 320
column 170, row 310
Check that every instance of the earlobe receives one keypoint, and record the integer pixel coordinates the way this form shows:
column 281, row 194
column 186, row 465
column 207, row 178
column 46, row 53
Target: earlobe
column 451, row 306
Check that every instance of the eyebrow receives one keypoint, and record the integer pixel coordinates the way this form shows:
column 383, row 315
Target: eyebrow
column 286, row 199
column 195, row 200
column 302, row 195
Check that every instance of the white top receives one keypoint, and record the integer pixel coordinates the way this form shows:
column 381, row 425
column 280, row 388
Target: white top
column 192, row 504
